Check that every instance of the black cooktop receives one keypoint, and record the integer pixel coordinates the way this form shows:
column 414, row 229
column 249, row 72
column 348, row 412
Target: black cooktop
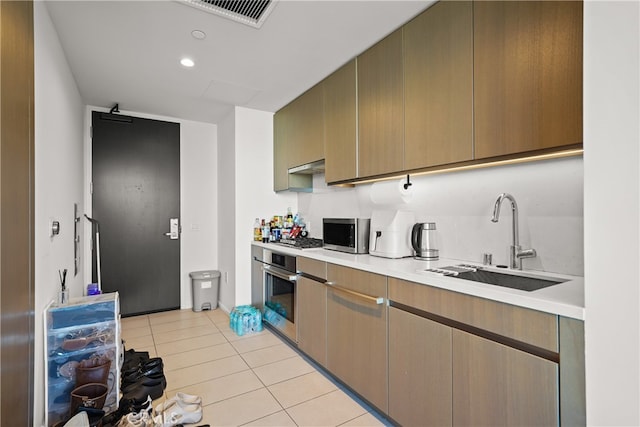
column 301, row 243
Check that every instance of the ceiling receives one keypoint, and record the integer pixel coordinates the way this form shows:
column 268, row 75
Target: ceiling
column 128, row 52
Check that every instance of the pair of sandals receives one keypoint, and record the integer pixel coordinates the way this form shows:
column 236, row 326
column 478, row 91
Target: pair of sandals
column 181, row 409
column 80, row 339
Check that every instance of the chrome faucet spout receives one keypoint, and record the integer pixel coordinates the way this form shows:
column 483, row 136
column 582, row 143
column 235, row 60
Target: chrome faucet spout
column 516, row 254
column 496, row 207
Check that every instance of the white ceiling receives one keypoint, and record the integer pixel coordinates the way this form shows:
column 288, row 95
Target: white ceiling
column 128, row 52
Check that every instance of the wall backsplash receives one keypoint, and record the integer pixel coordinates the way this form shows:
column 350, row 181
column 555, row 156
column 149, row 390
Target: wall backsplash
column 550, row 203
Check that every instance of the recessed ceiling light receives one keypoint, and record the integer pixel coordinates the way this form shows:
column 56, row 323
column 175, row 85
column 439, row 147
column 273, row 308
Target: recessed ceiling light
column 199, row 35
column 187, row 62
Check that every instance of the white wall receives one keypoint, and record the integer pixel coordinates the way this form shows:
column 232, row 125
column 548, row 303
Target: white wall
column 198, row 197
column 246, row 192
column 549, row 195
column 612, row 191
column 58, row 180
column 199, row 202
column 254, row 188
column 227, row 211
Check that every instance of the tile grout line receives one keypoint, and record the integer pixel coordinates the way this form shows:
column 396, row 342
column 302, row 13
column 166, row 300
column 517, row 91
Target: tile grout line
column 155, row 335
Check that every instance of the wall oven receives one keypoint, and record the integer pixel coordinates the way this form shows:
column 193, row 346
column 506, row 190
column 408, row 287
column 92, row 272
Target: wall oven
column 279, row 286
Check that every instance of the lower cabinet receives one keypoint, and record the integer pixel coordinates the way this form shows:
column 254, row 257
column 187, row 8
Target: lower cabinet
column 419, row 370
column 497, row 385
column 357, row 331
column 427, row 356
column 257, row 277
column 312, row 319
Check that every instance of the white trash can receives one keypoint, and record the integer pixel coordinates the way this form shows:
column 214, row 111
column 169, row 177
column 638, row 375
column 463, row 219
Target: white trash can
column 204, row 288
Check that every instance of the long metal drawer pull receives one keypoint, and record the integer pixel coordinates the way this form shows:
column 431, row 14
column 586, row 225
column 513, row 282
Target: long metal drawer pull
column 377, row 300
column 268, row 269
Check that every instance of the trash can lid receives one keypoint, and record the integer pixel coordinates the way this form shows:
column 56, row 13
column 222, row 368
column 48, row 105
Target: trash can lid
column 204, row 274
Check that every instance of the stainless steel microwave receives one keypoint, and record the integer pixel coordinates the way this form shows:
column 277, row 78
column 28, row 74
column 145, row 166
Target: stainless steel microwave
column 349, row 235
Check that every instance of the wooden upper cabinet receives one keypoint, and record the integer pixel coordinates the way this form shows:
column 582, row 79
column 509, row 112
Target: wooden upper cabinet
column 438, row 81
column 381, row 108
column 298, row 138
column 527, row 76
column 340, row 124
column 282, row 125
column 307, row 115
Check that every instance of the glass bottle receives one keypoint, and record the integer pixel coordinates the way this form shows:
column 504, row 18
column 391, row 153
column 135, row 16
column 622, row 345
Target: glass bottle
column 257, row 231
column 289, row 220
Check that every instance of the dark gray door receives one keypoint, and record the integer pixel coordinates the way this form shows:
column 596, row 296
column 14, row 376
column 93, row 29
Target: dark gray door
column 136, row 193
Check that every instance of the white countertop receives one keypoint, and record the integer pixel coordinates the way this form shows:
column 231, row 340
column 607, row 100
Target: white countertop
column 564, row 299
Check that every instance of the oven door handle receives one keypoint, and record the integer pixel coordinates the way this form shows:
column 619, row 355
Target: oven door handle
column 275, row 272
column 377, row 300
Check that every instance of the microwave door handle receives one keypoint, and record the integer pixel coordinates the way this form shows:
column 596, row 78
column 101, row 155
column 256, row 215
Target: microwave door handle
column 270, row 270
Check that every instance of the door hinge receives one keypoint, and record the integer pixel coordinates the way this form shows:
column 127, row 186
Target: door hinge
column 91, row 188
column 91, row 132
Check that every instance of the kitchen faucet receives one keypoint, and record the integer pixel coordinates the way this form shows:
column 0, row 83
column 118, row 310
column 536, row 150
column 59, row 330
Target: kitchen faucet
column 516, row 253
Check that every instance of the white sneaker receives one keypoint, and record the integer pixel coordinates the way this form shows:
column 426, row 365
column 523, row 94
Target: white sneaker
column 181, row 399
column 175, row 413
column 137, row 419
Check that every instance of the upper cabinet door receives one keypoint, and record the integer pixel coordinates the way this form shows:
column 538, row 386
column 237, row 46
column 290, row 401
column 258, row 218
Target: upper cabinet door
column 340, row 122
column 298, row 138
column 438, row 81
column 527, row 76
column 282, row 128
column 307, row 142
column 381, row 108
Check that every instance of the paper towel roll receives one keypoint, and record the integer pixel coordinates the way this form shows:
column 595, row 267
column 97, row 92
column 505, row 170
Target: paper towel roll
column 390, row 193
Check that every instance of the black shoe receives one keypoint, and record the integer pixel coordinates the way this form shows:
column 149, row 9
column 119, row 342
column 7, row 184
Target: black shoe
column 150, row 387
column 146, row 365
column 130, row 387
column 133, row 359
column 136, row 376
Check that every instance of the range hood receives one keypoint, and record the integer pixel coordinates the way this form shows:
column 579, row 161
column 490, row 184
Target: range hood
column 301, row 177
column 309, row 168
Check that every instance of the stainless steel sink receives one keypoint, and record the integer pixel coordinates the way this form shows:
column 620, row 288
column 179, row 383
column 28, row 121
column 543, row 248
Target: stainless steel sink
column 523, row 282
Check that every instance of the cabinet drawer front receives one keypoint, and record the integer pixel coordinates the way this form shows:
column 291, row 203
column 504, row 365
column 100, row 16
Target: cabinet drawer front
column 496, row 385
column 312, row 267
column 522, row 324
column 419, row 370
column 357, row 345
column 357, row 280
column 312, row 315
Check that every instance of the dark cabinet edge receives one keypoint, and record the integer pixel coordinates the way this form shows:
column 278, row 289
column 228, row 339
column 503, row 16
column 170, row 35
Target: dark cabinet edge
column 571, row 150
column 482, row 333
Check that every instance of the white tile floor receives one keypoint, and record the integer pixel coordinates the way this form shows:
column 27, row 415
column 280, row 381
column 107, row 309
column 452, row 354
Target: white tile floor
column 254, row 380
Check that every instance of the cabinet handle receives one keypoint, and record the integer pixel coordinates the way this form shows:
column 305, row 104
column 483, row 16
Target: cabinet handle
column 274, row 272
column 377, row 300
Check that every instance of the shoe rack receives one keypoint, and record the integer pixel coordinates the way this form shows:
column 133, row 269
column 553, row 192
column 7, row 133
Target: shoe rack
column 81, row 329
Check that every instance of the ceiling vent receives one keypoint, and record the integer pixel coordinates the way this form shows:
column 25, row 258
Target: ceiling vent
column 249, row 12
